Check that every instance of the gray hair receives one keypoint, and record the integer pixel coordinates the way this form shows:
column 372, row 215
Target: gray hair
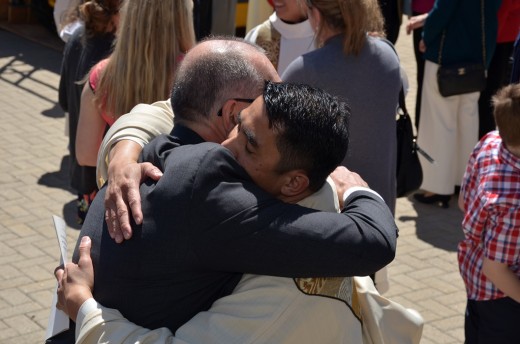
column 203, row 84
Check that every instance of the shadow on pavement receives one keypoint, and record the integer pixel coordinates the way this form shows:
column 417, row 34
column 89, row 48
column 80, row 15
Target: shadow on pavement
column 25, row 50
column 20, row 59
column 54, row 112
column 70, row 214
column 437, row 226
column 58, row 179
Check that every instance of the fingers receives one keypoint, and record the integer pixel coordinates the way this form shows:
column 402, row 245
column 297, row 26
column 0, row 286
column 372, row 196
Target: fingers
column 61, row 303
column 134, row 197
column 116, row 213
column 84, row 250
column 58, row 272
column 150, row 171
column 422, row 46
column 85, row 260
column 122, row 217
column 122, row 198
column 409, row 28
column 109, row 219
column 61, row 275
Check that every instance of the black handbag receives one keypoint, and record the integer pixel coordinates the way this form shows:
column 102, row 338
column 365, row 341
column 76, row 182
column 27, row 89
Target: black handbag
column 460, row 78
column 409, row 172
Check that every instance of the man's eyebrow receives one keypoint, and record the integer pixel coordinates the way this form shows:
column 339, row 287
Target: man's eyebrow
column 249, row 135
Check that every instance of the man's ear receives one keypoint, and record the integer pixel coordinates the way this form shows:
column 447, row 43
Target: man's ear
column 296, row 182
column 229, row 115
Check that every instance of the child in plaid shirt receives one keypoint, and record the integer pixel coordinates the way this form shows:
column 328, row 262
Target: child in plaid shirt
column 489, row 256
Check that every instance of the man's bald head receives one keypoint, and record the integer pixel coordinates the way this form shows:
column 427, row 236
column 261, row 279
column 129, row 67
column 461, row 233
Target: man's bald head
column 214, row 71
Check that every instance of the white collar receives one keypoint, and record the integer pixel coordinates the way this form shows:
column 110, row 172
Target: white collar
column 291, row 31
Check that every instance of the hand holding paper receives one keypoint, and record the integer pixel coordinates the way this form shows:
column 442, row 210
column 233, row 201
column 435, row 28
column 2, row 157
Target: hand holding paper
column 58, row 320
column 77, row 281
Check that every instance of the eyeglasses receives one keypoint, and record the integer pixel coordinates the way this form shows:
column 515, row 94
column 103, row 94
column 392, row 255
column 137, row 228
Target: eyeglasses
column 242, row 100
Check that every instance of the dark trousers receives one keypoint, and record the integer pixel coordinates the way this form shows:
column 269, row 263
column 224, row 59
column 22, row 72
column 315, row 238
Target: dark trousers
column 392, row 15
column 419, row 60
column 202, row 18
column 499, row 72
column 493, row 321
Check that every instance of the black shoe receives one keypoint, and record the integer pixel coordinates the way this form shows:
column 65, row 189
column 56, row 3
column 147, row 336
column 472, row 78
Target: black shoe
column 442, row 200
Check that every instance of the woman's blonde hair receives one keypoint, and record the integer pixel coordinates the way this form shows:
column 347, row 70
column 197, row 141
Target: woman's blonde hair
column 151, row 39
column 354, row 18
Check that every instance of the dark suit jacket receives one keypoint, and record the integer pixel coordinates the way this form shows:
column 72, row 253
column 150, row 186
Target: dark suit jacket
column 206, row 223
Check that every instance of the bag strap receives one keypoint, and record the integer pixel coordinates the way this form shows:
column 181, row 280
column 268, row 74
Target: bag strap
column 482, row 19
column 402, row 103
column 403, row 114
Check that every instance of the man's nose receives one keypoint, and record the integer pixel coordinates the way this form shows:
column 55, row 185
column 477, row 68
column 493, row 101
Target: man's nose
column 230, row 144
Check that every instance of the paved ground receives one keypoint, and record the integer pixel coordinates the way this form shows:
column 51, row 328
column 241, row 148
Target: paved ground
column 33, row 166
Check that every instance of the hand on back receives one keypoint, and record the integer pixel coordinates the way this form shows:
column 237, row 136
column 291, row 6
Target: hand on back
column 344, row 180
column 122, row 197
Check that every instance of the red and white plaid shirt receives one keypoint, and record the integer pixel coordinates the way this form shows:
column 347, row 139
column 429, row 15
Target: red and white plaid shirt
column 491, row 225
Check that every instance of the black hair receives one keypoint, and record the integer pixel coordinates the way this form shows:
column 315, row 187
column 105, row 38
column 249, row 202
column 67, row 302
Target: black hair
column 312, row 128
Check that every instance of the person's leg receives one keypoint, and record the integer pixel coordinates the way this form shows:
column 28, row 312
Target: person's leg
column 419, row 60
column 223, row 17
column 202, row 15
column 471, row 321
column 391, row 15
column 437, row 134
column 467, row 134
column 497, row 77
column 497, row 321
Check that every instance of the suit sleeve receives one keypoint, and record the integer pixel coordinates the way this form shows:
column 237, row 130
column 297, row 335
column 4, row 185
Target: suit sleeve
column 249, row 231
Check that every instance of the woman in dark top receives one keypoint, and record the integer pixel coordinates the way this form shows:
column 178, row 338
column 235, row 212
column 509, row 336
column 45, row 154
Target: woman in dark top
column 88, row 45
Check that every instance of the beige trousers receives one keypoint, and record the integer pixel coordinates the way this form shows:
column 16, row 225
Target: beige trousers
column 448, row 131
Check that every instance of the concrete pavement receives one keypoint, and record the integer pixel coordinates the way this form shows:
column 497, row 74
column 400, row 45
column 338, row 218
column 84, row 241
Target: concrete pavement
column 34, row 185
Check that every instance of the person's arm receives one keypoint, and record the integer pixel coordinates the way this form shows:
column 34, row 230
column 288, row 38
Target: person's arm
column 416, row 22
column 461, row 202
column 91, row 128
column 500, row 241
column 438, row 18
column 502, row 277
column 95, row 323
column 143, row 123
column 258, row 234
column 122, row 198
column 117, row 163
column 98, row 324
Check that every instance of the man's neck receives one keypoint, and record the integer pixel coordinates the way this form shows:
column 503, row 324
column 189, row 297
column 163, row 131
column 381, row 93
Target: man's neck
column 205, row 130
column 297, row 198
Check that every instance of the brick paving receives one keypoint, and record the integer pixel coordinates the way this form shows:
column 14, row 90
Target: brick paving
column 34, row 185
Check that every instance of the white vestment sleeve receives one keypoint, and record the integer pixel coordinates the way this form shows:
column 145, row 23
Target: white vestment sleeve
column 141, row 125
